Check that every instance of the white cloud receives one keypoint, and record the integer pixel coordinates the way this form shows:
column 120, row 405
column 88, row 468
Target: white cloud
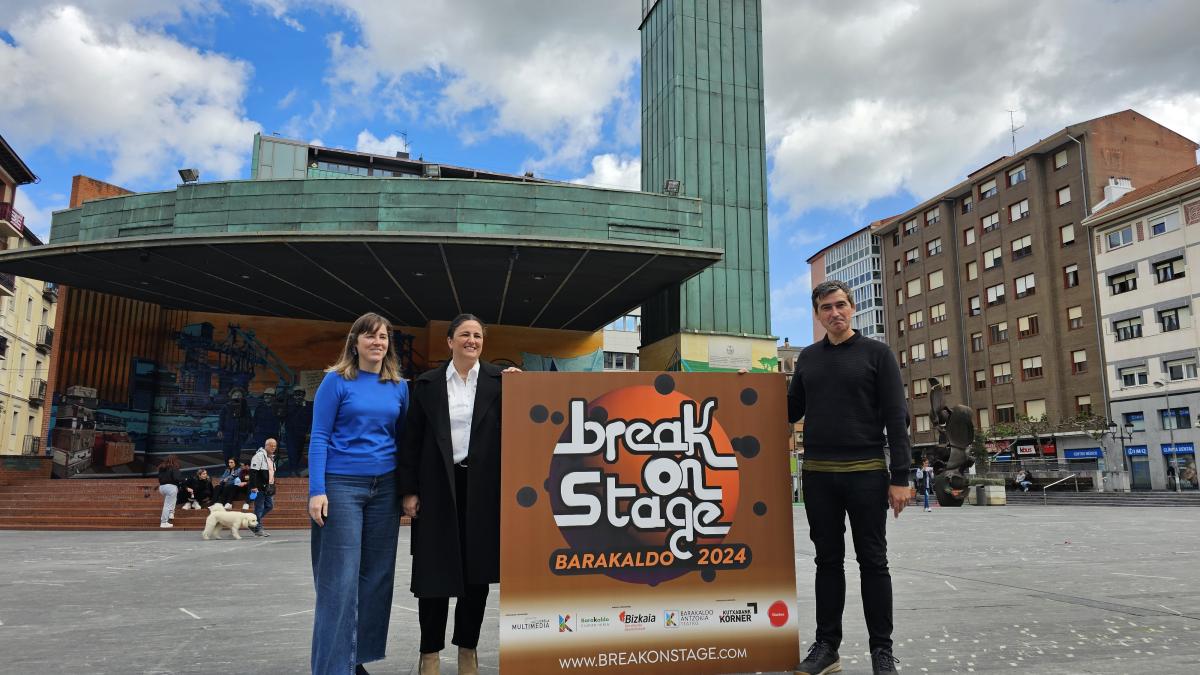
column 528, row 68
column 288, row 98
column 131, row 92
column 278, row 9
column 380, row 146
column 37, row 220
column 870, row 98
column 614, row 171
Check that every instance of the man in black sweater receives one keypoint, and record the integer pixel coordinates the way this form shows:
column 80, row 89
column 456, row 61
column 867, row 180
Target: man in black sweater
column 848, row 390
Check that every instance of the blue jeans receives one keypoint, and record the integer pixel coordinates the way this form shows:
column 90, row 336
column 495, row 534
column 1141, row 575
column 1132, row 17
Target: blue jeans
column 263, row 505
column 354, row 570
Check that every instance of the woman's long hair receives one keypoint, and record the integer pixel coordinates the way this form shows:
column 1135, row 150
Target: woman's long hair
column 170, row 462
column 347, row 363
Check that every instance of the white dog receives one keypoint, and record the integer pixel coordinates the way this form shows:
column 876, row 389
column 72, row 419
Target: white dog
column 219, row 519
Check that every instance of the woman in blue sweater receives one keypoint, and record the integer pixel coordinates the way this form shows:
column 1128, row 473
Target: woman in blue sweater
column 358, row 414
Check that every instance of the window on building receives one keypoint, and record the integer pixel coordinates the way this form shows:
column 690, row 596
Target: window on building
column 1128, row 329
column 976, row 342
column 1169, row 270
column 29, row 309
column 1119, row 238
column 1060, row 159
column 990, row 222
column 1066, row 234
column 914, row 287
column 936, row 280
column 902, row 358
column 920, row 388
column 1027, row 326
column 1031, row 368
column 937, row 313
column 916, row 319
column 1079, row 361
column 1071, row 276
column 1180, row 369
column 917, row 352
column 941, row 347
column 932, row 217
column 1133, row 376
column 910, row 227
column 1025, row 285
column 922, row 423
column 620, row 361
column 995, row 295
column 630, row 323
column 943, row 380
column 1001, row 373
column 968, row 236
column 911, row 256
column 1022, row 247
column 998, row 332
column 1175, row 418
column 899, row 296
column 1175, row 318
column 21, row 366
column 1163, row 224
column 1123, row 282
column 972, row 271
column 968, row 204
column 934, row 247
column 1035, row 409
column 1018, row 211
column 897, row 265
column 1006, row 413
column 1083, row 405
column 985, row 419
column 1075, row 317
column 973, row 306
column 1136, row 419
column 895, row 239
column 992, row 257
column 1064, row 195
column 981, row 379
column 1016, row 175
column 987, row 189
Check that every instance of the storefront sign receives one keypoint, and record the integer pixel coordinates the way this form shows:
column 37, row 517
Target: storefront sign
column 1026, row 450
column 1083, row 453
column 1178, row 449
column 1136, row 451
column 647, row 524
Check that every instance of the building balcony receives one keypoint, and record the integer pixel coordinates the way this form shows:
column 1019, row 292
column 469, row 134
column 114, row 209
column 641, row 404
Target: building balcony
column 8, row 284
column 37, row 392
column 32, row 446
column 3, row 347
column 12, row 223
column 45, row 338
column 50, row 291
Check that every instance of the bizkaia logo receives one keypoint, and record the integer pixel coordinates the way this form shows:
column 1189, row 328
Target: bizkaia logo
column 644, row 486
column 636, row 620
column 778, row 613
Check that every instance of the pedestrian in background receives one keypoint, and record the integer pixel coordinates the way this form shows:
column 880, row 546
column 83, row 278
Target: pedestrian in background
column 925, row 481
column 169, row 479
column 358, row 414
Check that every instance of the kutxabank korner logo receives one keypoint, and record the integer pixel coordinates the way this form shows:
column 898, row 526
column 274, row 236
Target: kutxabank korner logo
column 644, row 486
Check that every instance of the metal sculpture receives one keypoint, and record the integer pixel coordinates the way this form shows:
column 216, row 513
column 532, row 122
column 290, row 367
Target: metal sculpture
column 956, row 432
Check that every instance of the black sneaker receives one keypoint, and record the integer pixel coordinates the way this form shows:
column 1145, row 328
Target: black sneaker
column 882, row 661
column 822, row 659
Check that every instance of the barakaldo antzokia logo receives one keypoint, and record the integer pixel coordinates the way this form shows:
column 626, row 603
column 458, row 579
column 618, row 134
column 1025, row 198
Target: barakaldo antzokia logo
column 644, row 486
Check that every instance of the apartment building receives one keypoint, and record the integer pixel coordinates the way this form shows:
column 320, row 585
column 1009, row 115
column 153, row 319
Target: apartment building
column 856, row 260
column 622, row 340
column 988, row 286
column 26, row 324
column 1147, row 245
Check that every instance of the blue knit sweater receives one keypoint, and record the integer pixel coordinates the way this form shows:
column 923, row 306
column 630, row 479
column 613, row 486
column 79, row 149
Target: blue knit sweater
column 355, row 427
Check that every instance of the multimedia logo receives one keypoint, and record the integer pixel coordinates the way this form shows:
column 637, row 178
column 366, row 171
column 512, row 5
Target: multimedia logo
column 531, row 624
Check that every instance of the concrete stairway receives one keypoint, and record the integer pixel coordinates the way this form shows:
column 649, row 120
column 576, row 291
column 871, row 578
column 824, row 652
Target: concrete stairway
column 124, row 504
column 1157, row 498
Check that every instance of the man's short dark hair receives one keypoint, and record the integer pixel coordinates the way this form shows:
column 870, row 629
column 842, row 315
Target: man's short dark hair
column 831, row 286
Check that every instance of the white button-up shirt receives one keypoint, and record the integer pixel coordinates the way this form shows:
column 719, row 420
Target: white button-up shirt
column 461, row 396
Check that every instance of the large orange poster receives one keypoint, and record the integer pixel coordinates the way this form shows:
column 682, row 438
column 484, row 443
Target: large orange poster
column 646, row 524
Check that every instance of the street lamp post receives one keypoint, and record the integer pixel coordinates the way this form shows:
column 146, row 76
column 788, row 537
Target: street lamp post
column 1115, row 430
column 1171, row 431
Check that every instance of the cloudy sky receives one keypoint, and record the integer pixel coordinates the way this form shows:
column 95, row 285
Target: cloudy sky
column 872, row 105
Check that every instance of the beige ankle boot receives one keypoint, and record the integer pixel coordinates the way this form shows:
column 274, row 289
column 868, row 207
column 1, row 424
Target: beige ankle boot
column 468, row 662
column 431, row 664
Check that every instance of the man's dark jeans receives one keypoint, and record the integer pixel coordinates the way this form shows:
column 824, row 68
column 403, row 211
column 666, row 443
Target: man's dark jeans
column 263, row 505
column 828, row 499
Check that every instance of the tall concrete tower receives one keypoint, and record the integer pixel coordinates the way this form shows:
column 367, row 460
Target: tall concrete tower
column 702, row 126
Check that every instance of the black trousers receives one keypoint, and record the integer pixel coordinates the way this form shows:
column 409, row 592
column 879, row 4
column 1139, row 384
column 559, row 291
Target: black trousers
column 863, row 496
column 468, row 611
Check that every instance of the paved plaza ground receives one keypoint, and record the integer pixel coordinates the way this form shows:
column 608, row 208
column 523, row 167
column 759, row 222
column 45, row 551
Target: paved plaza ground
column 984, row 590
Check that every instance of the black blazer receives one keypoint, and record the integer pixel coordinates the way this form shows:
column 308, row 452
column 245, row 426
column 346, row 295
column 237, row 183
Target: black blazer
column 426, row 469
